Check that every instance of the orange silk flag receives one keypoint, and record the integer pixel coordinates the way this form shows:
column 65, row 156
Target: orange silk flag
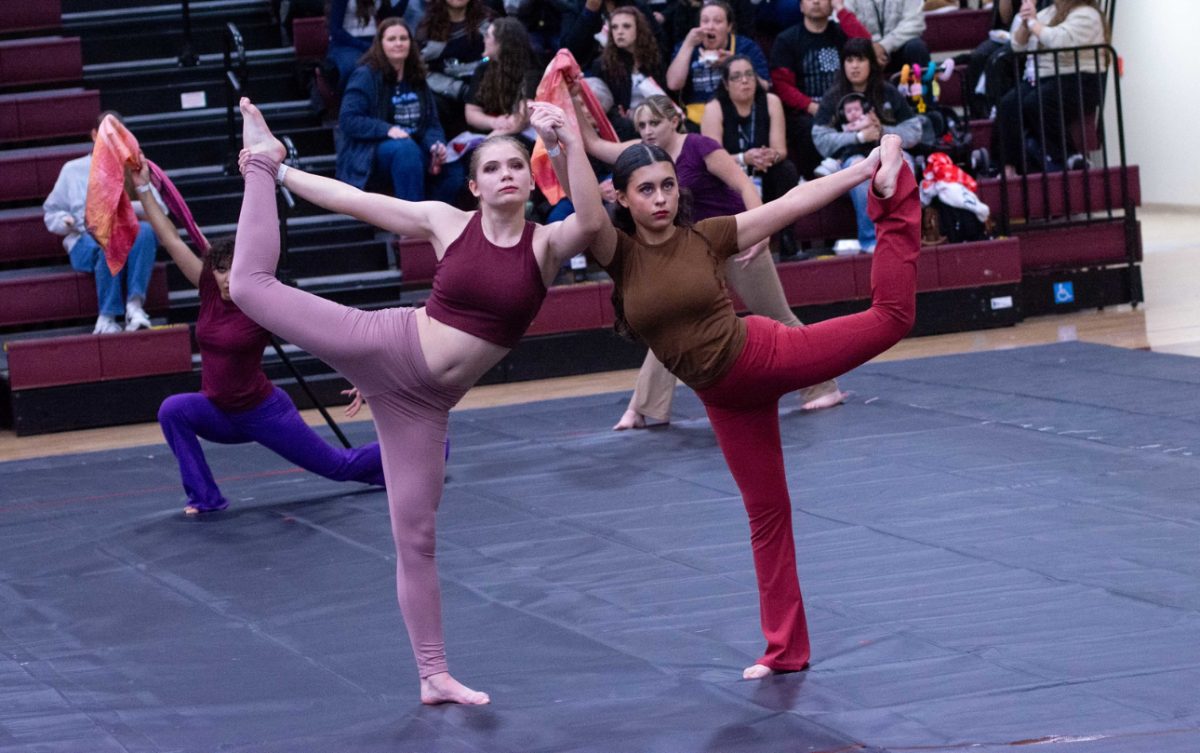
column 554, row 88
column 109, row 214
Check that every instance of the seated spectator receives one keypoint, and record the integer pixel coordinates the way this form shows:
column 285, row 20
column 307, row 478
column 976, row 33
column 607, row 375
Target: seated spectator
column 503, row 84
column 352, row 25
column 1053, row 92
column 681, row 16
column 388, row 127
column 749, row 123
column 804, row 63
column 581, row 31
column 854, row 115
column 896, row 28
column 122, row 293
column 630, row 64
column 985, row 85
column 450, row 36
column 696, row 69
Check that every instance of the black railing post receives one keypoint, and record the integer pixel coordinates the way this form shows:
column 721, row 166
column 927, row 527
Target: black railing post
column 235, row 87
column 187, row 53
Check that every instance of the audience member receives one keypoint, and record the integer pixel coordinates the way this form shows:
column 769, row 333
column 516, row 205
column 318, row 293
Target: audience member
column 450, row 36
column 749, row 123
column 630, row 64
column 896, row 27
column 352, row 25
column 582, row 31
column 804, row 62
column 122, row 293
column 505, row 81
column 681, row 16
column 695, row 70
column 388, row 127
column 856, row 112
column 985, row 85
column 1052, row 93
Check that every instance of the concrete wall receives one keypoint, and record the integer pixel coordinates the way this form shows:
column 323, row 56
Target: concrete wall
column 1160, row 44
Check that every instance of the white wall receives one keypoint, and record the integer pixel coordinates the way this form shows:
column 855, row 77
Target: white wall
column 1160, row 43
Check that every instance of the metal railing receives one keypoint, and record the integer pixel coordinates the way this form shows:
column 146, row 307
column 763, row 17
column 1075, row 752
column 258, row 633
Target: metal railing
column 187, row 52
column 237, row 73
column 1056, row 138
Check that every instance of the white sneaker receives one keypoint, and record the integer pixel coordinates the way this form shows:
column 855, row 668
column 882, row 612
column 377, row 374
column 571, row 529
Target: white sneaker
column 135, row 317
column 847, row 247
column 828, row 166
column 105, row 325
column 869, row 249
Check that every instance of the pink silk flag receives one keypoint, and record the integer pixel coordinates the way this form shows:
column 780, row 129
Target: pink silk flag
column 555, row 89
column 108, row 213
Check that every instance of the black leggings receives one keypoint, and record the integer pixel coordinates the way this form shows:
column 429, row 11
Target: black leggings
column 1060, row 101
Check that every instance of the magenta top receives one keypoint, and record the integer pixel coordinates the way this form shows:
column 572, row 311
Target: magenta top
column 489, row 291
column 231, row 350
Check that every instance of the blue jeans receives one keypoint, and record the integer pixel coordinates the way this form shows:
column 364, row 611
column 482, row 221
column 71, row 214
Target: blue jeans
column 406, row 164
column 134, row 277
column 274, row 423
column 346, row 60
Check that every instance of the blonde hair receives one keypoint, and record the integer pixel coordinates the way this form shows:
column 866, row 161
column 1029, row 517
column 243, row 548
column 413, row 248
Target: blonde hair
column 661, row 106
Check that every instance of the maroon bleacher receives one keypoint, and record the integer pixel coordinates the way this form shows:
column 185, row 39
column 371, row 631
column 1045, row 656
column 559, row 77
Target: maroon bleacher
column 24, row 237
column 40, row 60
column 31, row 15
column 1048, row 195
column 80, row 359
column 956, row 30
column 29, row 174
column 54, row 295
column 48, row 114
column 310, row 37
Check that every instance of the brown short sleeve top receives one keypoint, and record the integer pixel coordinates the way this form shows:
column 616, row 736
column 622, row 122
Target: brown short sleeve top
column 676, row 300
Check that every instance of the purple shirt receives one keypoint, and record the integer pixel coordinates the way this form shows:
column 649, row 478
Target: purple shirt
column 710, row 196
column 231, row 350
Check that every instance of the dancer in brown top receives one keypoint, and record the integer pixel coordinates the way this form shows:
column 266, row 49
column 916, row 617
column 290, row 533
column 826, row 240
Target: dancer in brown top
column 670, row 292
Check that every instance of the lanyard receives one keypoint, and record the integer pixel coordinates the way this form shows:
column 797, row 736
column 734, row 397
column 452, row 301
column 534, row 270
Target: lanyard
column 880, row 15
column 746, row 138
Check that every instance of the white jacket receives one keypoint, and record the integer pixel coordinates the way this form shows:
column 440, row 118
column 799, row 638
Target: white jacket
column 902, row 20
column 69, row 199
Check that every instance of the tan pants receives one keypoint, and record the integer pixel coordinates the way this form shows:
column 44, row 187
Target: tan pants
column 758, row 285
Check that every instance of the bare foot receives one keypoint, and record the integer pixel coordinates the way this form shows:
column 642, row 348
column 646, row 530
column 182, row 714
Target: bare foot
column 825, row 400
column 256, row 136
column 442, row 688
column 890, row 162
column 631, row 420
column 756, row 672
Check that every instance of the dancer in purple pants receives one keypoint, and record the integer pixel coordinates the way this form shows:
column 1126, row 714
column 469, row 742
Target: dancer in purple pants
column 415, row 364
column 236, row 402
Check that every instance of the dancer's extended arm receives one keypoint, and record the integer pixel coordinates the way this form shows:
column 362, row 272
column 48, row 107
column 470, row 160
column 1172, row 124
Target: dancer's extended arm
column 422, row 219
column 189, row 264
column 762, row 222
column 574, row 234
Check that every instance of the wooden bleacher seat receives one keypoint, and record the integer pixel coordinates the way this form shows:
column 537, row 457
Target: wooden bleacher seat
column 78, row 359
column 29, row 174
column 956, row 30
column 34, row 15
column 48, row 114
column 24, row 237
column 1048, row 195
column 55, row 294
column 310, row 37
column 40, row 60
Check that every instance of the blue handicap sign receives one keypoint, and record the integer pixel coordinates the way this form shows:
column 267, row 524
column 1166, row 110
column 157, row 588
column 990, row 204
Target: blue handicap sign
column 1064, row 292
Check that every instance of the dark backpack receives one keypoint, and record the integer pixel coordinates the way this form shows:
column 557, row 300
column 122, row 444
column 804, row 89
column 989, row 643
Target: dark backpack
column 958, row 225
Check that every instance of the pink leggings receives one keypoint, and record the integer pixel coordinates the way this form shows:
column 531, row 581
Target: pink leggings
column 743, row 407
column 380, row 353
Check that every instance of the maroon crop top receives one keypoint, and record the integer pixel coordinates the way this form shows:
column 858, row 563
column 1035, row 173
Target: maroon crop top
column 489, row 291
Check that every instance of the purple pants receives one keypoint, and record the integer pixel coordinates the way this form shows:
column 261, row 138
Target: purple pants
column 275, row 424
column 380, row 353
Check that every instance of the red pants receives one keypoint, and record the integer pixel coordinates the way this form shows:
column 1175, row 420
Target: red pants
column 743, row 407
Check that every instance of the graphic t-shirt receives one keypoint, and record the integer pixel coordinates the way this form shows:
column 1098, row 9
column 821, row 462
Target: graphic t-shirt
column 406, row 107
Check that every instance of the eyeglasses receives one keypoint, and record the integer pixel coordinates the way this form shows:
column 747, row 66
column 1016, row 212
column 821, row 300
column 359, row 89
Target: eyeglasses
column 736, row 77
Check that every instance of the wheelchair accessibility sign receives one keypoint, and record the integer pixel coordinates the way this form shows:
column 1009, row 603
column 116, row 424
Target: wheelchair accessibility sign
column 1064, row 292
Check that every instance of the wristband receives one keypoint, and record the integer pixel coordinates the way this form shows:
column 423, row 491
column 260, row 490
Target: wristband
column 741, row 158
column 142, row 189
column 557, row 150
column 281, row 174
column 861, row 137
